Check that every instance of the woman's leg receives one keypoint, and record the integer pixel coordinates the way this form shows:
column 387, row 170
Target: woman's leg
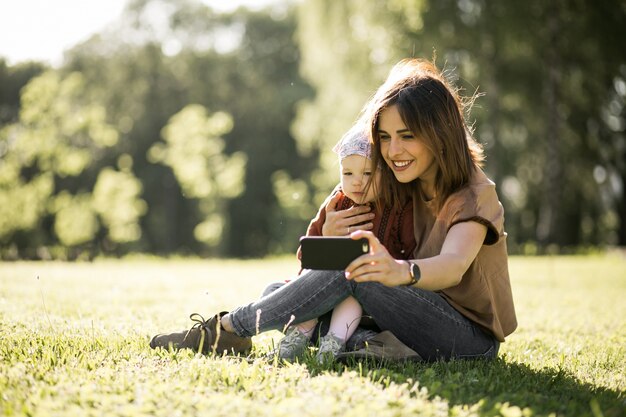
column 423, row 320
column 308, row 297
column 426, row 322
column 272, row 287
column 306, row 327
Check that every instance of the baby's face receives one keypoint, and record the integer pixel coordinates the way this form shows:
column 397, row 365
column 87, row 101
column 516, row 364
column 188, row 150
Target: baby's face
column 356, row 173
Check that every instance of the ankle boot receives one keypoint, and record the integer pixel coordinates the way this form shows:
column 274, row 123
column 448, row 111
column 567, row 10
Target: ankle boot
column 204, row 336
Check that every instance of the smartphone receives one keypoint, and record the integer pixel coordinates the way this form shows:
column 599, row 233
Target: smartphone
column 331, row 253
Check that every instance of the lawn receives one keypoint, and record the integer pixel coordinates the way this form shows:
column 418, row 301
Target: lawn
column 74, row 341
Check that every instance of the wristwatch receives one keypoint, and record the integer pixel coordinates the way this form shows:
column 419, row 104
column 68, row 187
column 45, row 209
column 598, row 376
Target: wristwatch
column 414, row 271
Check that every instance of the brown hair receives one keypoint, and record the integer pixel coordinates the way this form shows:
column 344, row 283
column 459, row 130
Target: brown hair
column 434, row 112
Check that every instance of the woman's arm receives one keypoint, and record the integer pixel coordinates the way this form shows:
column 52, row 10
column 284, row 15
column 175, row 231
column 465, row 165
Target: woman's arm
column 445, row 270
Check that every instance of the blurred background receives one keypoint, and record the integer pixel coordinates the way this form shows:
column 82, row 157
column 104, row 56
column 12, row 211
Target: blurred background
column 205, row 128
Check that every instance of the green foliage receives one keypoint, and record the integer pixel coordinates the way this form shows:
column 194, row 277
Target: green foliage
column 22, row 204
column 74, row 341
column 243, row 64
column 293, row 197
column 12, row 80
column 58, row 135
column 292, row 79
column 345, row 49
column 75, row 221
column 116, row 200
column 194, row 150
column 551, row 136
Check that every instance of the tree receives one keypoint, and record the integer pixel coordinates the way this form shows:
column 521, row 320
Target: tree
column 345, row 49
column 244, row 64
column 549, row 72
column 12, row 80
column 194, row 150
column 47, row 159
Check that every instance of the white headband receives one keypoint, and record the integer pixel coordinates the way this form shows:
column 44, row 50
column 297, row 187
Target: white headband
column 354, row 142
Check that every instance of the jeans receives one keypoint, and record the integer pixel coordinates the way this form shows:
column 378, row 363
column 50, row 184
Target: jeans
column 364, row 331
column 423, row 320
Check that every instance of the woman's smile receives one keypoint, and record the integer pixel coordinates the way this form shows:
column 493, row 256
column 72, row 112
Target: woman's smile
column 400, row 165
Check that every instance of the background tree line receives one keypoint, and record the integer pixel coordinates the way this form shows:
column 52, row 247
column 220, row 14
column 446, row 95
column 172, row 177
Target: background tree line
column 179, row 130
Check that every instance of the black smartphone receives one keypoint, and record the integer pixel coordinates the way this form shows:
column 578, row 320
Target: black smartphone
column 331, row 253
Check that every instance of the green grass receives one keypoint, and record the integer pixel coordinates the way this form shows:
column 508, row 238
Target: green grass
column 73, row 341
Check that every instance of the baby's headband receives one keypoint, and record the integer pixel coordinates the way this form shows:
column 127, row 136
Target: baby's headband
column 354, row 142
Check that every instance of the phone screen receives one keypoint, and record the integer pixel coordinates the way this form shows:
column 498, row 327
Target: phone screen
column 331, row 253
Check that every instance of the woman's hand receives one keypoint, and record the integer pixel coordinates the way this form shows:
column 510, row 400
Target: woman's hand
column 378, row 265
column 344, row 222
column 439, row 272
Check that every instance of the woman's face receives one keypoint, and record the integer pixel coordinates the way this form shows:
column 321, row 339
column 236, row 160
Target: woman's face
column 406, row 155
column 356, row 173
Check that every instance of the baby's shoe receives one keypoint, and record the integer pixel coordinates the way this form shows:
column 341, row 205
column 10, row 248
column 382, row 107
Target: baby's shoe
column 330, row 347
column 292, row 345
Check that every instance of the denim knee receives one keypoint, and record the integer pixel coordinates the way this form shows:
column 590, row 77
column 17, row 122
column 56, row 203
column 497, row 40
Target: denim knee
column 272, row 287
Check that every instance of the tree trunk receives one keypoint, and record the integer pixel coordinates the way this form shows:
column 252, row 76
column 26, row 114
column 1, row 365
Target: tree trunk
column 547, row 225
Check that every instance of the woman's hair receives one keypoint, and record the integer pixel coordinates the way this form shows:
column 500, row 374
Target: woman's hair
column 434, row 112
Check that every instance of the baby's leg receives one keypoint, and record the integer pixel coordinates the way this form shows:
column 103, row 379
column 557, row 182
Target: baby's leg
column 307, row 327
column 345, row 319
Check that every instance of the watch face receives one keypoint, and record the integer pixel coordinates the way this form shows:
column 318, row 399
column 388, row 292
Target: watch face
column 415, row 271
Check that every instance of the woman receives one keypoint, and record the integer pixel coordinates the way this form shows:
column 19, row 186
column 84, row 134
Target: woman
column 453, row 298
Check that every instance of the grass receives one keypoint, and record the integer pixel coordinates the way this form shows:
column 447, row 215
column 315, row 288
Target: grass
column 73, row 341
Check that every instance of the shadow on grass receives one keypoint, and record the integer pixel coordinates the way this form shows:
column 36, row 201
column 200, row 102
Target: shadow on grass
column 493, row 383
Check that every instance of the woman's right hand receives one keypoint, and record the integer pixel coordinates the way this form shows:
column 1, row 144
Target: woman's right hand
column 344, row 222
column 377, row 265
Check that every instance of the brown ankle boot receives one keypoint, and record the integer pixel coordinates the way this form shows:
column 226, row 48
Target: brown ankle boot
column 205, row 336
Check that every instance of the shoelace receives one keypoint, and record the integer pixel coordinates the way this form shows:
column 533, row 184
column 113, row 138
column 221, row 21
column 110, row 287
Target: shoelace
column 200, row 322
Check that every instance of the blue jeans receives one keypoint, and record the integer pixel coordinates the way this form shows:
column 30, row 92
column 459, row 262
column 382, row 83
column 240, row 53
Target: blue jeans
column 365, row 331
column 423, row 320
